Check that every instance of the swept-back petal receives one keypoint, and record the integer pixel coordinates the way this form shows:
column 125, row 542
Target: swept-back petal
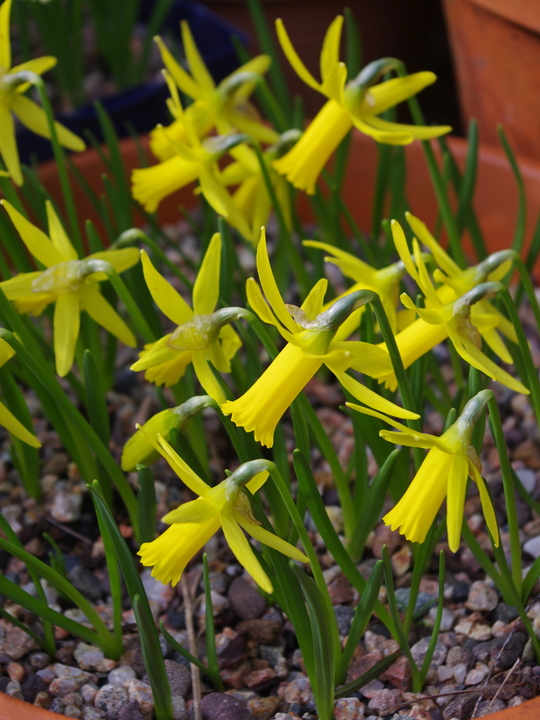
column 362, row 393
column 120, row 259
column 244, row 554
column 196, row 64
column 35, row 119
column 268, row 538
column 257, row 481
column 269, row 286
column 206, row 377
column 387, row 94
column 8, row 146
column 292, row 56
column 12, row 425
column 418, row 132
column 184, row 81
column 487, row 504
column 66, row 330
column 442, row 258
column 181, row 468
column 168, row 300
column 38, row 66
column 5, row 44
column 103, row 313
column 457, row 470
column 313, row 304
column 260, row 306
column 365, row 358
column 206, row 288
column 58, row 235
column 330, row 49
column 389, row 137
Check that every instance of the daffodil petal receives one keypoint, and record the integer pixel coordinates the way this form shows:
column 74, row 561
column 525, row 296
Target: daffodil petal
column 362, row 393
column 487, row 504
column 103, row 313
column 35, row 119
column 206, row 377
column 269, row 539
column 313, row 303
column 181, row 468
column 35, row 239
column 455, row 498
column 269, row 286
column 38, row 66
column 292, row 56
column 58, row 235
column 257, row 481
column 443, row 260
column 66, row 330
column 12, row 425
column 8, row 146
column 168, row 300
column 419, row 440
column 394, row 91
column 363, row 123
column 196, row 64
column 196, row 511
column 206, row 288
column 244, row 554
column 330, row 49
column 5, row 43
column 184, row 81
column 121, row 260
column 418, row 132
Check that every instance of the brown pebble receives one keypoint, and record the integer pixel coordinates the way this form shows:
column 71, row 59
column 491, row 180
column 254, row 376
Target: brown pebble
column 260, row 630
column 15, row 672
column 43, row 700
column 259, row 678
column 246, row 600
column 263, row 707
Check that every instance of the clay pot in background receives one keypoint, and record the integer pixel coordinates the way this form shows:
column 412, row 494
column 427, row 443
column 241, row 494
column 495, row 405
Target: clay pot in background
column 496, row 50
column 495, row 200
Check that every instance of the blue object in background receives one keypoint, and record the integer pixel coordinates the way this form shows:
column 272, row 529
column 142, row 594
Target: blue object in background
column 143, row 106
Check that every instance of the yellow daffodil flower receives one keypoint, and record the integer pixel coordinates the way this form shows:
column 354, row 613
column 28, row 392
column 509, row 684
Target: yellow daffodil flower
column 443, row 474
column 494, row 268
column 192, row 160
column 71, row 283
column 311, row 342
column 251, row 197
column 224, row 106
column 385, row 282
column 13, row 85
column 194, row 523
column 445, row 317
column 201, row 335
column 358, row 103
column 7, row 419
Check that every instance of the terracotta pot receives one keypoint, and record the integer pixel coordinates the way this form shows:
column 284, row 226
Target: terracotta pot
column 496, row 198
column 13, row 709
column 496, row 50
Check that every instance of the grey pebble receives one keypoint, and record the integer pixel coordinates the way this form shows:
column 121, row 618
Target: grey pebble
column 121, row 675
column 344, row 616
column 179, row 677
column 179, row 711
column 459, row 654
column 110, row 699
column 131, row 711
column 13, row 688
column 218, row 706
column 85, row 582
column 61, row 686
column 460, row 708
column 72, row 711
column 142, row 694
column 511, row 650
column 57, row 706
column 38, row 660
column 423, row 603
column 91, row 713
column 420, row 649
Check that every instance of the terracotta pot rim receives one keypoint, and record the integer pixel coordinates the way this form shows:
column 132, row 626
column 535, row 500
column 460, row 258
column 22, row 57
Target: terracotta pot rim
column 525, row 13
column 14, row 709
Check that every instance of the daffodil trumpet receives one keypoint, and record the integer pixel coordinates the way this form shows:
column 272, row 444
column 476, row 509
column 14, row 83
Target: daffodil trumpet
column 311, row 342
column 192, row 524
column 443, row 474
